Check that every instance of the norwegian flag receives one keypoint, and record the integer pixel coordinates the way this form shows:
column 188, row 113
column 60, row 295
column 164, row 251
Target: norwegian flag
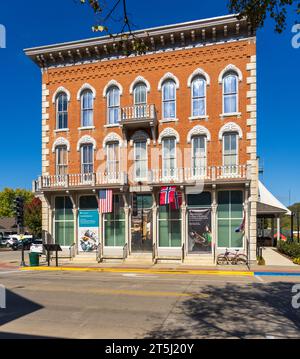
column 241, row 228
column 105, row 201
column 176, row 204
column 167, row 195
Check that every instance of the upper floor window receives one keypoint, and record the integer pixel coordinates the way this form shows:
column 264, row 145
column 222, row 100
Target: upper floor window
column 230, row 93
column 62, row 111
column 199, row 155
column 198, row 97
column 169, row 99
column 87, row 158
column 141, row 160
column 140, row 100
column 169, row 156
column 87, row 108
column 61, row 153
column 113, row 159
column 230, row 150
column 113, row 105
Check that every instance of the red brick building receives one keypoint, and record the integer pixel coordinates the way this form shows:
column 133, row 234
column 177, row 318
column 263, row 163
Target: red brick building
column 182, row 115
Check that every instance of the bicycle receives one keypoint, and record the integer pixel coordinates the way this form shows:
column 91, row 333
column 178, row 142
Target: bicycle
column 232, row 258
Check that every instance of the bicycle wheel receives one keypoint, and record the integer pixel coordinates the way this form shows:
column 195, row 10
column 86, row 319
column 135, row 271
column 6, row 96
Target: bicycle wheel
column 222, row 260
column 241, row 259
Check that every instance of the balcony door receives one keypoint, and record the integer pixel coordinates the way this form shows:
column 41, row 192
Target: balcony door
column 141, row 225
column 140, row 100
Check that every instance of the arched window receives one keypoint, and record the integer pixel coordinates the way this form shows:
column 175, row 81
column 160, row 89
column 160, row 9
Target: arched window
column 87, row 108
column 113, row 105
column 230, row 152
column 140, row 160
column 169, row 157
column 230, row 93
column 113, row 160
column 61, row 154
column 169, row 99
column 199, row 155
column 62, row 111
column 87, row 158
column 198, row 97
column 140, row 100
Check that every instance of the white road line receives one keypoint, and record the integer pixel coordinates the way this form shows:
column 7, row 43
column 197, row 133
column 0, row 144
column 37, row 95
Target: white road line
column 12, row 271
column 259, row 278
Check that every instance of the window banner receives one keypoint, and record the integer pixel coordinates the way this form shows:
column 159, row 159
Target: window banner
column 199, row 228
column 88, row 231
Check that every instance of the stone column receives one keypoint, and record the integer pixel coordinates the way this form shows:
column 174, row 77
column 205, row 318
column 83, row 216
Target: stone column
column 214, row 224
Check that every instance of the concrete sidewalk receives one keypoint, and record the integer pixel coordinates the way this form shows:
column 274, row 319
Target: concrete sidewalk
column 273, row 258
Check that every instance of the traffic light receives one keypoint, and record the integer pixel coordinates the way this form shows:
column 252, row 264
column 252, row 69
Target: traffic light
column 19, row 211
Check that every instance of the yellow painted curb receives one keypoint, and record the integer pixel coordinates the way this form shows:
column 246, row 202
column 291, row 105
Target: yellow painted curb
column 144, row 271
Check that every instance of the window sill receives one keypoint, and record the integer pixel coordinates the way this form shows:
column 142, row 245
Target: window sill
column 62, row 130
column 233, row 114
column 112, row 125
column 86, row 128
column 166, row 120
column 194, row 118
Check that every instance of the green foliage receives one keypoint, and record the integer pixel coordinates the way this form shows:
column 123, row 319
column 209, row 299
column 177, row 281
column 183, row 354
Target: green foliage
column 291, row 249
column 33, row 217
column 7, row 197
column 257, row 11
column 286, row 220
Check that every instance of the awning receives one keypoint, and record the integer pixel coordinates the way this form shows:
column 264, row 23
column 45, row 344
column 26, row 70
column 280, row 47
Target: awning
column 268, row 204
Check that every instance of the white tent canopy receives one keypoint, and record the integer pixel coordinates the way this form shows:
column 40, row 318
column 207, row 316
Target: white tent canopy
column 268, row 203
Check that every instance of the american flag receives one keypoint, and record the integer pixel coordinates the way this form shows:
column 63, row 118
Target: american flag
column 105, row 201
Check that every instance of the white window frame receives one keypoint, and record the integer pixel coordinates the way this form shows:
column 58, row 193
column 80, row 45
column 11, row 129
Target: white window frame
column 81, row 159
column 113, row 107
column 140, row 161
column 199, row 98
column 174, row 175
column 226, row 171
column 230, row 73
column 115, row 162
column 192, row 157
column 58, row 112
column 57, row 165
column 168, row 101
column 85, row 91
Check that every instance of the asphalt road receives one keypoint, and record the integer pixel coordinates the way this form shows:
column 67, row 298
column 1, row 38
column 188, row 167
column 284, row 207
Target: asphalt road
column 126, row 305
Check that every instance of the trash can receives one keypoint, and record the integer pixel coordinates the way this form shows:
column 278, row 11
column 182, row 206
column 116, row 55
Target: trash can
column 34, row 259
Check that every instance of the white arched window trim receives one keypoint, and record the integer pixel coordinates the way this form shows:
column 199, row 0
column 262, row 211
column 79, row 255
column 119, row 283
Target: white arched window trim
column 86, row 140
column 139, row 79
column 230, row 127
column 61, row 141
column 111, row 84
column 84, row 87
column 230, row 68
column 168, row 76
column 169, row 132
column 112, row 137
column 61, row 89
column 198, row 72
column 198, row 131
column 139, row 136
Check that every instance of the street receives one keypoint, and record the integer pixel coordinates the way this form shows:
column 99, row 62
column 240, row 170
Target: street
column 128, row 305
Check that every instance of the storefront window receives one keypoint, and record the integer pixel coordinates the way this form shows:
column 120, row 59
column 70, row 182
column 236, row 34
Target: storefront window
column 64, row 221
column 230, row 218
column 114, row 224
column 169, row 227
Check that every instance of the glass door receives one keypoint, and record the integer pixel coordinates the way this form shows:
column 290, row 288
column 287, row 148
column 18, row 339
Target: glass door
column 141, row 225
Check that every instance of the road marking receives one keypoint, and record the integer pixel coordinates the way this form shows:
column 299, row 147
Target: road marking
column 12, row 271
column 145, row 271
column 134, row 275
column 259, row 278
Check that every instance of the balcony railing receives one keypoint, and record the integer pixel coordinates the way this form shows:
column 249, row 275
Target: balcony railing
column 154, row 176
column 138, row 112
column 80, row 180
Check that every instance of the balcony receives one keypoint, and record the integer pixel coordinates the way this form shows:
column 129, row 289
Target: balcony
column 80, row 181
column 139, row 117
column 204, row 174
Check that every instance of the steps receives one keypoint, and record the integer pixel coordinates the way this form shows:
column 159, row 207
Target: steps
column 139, row 258
column 203, row 260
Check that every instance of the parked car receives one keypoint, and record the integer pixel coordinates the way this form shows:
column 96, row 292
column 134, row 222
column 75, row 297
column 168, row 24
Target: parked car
column 4, row 241
column 17, row 243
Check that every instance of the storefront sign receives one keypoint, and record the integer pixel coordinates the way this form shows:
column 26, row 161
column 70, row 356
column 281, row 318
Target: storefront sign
column 199, row 228
column 88, row 230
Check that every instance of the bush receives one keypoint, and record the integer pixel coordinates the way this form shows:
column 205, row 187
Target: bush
column 291, row 249
column 296, row 260
column 261, row 261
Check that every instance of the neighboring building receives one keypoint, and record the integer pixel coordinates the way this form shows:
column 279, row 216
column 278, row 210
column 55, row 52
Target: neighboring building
column 183, row 114
column 8, row 227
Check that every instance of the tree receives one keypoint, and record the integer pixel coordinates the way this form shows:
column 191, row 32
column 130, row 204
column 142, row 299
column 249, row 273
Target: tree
column 256, row 11
column 7, row 197
column 33, row 217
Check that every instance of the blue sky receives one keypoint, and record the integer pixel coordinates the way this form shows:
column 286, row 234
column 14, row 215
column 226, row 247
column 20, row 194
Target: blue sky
column 20, row 83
